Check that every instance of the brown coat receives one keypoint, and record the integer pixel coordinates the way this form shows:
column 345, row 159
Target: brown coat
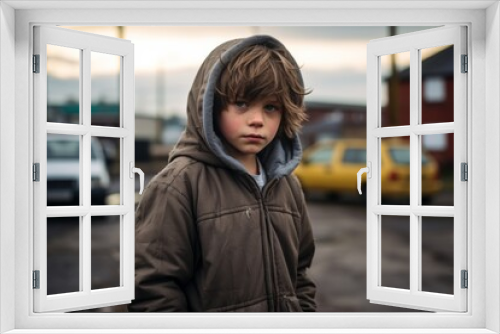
column 207, row 238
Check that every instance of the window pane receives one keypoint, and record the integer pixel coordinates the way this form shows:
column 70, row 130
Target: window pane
column 105, row 234
column 395, row 170
column 437, row 254
column 63, row 255
column 63, row 169
column 395, row 251
column 63, row 84
column 437, row 84
column 437, row 169
column 105, row 73
column 395, row 85
column 105, row 171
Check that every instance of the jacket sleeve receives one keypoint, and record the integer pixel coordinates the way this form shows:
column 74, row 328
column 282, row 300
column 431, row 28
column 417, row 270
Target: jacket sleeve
column 164, row 255
column 305, row 288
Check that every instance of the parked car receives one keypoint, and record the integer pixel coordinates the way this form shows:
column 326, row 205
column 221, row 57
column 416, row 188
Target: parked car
column 332, row 166
column 63, row 171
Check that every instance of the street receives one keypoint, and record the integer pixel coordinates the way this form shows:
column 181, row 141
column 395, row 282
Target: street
column 339, row 267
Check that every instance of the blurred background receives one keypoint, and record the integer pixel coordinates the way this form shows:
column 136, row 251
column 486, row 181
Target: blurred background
column 333, row 61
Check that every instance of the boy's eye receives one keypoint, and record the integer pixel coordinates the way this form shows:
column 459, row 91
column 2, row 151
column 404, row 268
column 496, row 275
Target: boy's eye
column 272, row 107
column 240, row 104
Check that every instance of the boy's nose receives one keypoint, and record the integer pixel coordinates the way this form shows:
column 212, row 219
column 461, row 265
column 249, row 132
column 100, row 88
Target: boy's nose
column 257, row 117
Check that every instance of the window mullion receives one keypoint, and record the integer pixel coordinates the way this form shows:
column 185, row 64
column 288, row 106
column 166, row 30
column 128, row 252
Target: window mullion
column 86, row 177
column 415, row 251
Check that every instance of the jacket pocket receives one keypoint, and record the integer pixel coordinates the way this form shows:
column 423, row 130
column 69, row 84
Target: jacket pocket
column 292, row 304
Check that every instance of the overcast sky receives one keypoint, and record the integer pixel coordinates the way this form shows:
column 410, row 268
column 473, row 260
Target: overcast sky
column 333, row 61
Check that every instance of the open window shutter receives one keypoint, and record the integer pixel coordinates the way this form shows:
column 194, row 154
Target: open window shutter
column 82, row 216
column 415, row 296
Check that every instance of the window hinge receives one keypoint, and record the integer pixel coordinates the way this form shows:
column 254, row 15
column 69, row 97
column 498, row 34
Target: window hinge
column 465, row 279
column 36, row 279
column 464, row 171
column 36, row 63
column 465, row 64
column 36, row 172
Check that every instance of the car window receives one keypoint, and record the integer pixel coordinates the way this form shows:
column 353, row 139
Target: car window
column 66, row 150
column 401, row 156
column 63, row 149
column 323, row 155
column 354, row 156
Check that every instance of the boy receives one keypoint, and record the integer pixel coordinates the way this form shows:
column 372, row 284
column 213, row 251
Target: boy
column 224, row 227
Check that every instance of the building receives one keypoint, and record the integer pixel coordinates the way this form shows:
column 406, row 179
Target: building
column 436, row 104
column 333, row 120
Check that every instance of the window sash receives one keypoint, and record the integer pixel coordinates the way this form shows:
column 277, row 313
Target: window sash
column 86, row 297
column 414, row 298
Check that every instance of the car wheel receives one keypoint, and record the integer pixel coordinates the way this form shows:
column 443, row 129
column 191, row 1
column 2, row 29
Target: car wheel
column 332, row 196
column 363, row 192
column 426, row 200
column 99, row 199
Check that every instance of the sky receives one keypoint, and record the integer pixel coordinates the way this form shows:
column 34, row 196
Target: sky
column 332, row 59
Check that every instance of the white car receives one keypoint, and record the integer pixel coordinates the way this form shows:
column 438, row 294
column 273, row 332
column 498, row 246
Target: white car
column 63, row 170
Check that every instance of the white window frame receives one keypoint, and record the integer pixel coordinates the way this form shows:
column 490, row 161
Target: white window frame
column 483, row 21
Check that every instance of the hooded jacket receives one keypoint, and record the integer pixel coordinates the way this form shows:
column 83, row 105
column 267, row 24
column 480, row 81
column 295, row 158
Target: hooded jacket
column 207, row 237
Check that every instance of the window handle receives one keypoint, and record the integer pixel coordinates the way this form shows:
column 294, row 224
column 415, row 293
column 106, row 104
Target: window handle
column 141, row 175
column 366, row 170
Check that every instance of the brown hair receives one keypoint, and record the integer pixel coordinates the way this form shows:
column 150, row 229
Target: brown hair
column 260, row 72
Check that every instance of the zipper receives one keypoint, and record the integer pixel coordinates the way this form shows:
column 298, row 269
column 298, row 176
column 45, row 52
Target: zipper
column 267, row 252
column 270, row 279
column 274, row 281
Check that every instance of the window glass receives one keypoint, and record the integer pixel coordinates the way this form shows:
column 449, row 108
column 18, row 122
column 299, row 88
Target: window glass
column 63, row 255
column 401, row 156
column 106, row 157
column 437, row 79
column 395, row 251
column 63, row 169
column 434, row 90
column 63, row 84
column 395, row 86
column 105, row 73
column 323, row 155
column 437, row 170
column 437, row 254
column 63, row 148
column 395, row 170
column 105, row 234
column 355, row 156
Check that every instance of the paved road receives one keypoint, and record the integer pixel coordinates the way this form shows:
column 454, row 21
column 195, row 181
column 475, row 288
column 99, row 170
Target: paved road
column 339, row 266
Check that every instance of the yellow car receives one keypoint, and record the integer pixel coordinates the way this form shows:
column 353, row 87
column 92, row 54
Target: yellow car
column 332, row 166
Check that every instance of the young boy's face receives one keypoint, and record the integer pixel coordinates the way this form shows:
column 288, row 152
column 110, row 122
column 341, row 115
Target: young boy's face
column 248, row 126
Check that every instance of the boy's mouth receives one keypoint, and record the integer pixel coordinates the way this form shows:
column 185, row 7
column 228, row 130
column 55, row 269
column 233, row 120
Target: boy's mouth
column 254, row 136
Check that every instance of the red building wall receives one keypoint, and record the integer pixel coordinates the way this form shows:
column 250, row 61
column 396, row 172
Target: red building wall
column 432, row 112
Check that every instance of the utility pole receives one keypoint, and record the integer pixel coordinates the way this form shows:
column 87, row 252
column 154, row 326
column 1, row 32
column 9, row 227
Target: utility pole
column 160, row 101
column 121, row 31
column 393, row 88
